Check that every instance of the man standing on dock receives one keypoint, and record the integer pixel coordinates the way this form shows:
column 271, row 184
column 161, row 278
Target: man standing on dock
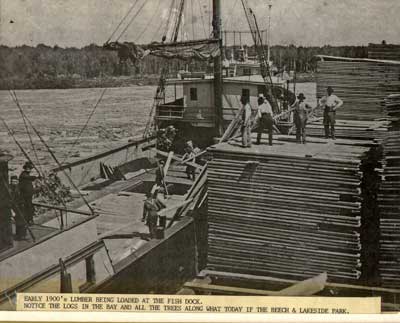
column 266, row 121
column 300, row 117
column 246, row 119
column 331, row 103
column 26, row 188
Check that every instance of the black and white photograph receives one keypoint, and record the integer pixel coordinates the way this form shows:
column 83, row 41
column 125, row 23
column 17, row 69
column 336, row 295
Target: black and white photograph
column 200, row 147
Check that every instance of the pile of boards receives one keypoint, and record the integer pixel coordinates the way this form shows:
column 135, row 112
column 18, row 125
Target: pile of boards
column 362, row 84
column 288, row 210
column 389, row 201
column 351, row 129
column 384, row 51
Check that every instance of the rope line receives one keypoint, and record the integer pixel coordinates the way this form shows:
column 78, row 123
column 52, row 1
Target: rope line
column 54, row 157
column 85, row 125
column 123, row 19
column 202, row 19
column 14, row 97
column 149, row 22
column 131, row 21
column 193, row 32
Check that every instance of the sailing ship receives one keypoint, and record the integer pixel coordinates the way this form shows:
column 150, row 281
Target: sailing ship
column 217, row 230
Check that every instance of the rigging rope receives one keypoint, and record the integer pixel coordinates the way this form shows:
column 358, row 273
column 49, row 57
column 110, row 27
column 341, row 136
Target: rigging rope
column 168, row 19
column 54, row 157
column 12, row 94
column 84, row 126
column 132, row 19
column 123, row 19
column 149, row 22
column 202, row 19
column 49, row 190
column 229, row 15
column 191, row 6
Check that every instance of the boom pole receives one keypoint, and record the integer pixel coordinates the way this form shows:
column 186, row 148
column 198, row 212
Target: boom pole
column 216, row 23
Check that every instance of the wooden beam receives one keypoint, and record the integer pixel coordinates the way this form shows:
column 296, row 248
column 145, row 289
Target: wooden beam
column 229, row 289
column 163, row 153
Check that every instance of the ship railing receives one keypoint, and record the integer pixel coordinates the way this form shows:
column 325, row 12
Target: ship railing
column 170, row 112
column 63, row 215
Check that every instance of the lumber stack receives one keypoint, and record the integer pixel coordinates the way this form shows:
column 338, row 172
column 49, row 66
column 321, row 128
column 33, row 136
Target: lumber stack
column 392, row 107
column 384, row 51
column 351, row 129
column 389, row 210
column 389, row 201
column 288, row 210
column 361, row 84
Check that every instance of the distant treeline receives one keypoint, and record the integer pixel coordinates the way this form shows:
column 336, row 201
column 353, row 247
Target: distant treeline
column 92, row 66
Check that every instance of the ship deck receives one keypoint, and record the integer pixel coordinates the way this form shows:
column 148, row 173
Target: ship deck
column 119, row 206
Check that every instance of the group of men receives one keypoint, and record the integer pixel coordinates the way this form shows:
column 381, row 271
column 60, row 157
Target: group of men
column 22, row 191
column 264, row 117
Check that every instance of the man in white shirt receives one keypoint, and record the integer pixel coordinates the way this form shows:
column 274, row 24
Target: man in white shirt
column 246, row 125
column 265, row 115
column 331, row 103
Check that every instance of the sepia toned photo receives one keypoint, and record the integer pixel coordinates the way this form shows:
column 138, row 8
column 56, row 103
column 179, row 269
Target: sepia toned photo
column 246, row 149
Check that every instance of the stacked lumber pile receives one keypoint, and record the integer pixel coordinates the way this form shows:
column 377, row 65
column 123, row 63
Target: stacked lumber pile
column 392, row 106
column 362, row 84
column 288, row 210
column 384, row 51
column 389, row 201
column 352, row 129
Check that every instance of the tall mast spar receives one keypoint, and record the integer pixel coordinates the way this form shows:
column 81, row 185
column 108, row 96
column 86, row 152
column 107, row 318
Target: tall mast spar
column 216, row 23
column 269, row 32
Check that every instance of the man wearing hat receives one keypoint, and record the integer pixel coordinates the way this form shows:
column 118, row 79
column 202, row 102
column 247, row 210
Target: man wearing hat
column 300, row 117
column 331, row 103
column 26, row 188
column 151, row 206
column 265, row 116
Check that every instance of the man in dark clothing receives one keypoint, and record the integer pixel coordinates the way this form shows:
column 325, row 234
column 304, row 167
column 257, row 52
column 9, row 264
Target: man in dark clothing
column 26, row 188
column 17, row 207
column 160, row 174
column 151, row 206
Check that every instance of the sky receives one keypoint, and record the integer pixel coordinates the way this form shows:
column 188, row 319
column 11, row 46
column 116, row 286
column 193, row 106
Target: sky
column 77, row 23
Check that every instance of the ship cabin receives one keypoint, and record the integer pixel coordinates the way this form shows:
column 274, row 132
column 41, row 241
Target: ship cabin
column 193, row 105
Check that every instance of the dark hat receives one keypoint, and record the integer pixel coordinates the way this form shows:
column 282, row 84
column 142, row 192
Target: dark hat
column 301, row 96
column 28, row 165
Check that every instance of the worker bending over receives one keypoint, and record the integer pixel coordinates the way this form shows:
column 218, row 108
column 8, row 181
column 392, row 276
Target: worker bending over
column 266, row 121
column 330, row 103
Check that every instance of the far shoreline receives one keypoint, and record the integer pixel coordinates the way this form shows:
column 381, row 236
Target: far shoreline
column 65, row 82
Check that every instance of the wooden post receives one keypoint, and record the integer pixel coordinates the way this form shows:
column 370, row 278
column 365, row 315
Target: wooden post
column 217, row 68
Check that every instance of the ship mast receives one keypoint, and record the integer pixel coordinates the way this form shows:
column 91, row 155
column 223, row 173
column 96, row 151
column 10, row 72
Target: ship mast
column 216, row 23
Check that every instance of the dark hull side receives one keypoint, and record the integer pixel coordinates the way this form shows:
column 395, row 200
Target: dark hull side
column 160, row 267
